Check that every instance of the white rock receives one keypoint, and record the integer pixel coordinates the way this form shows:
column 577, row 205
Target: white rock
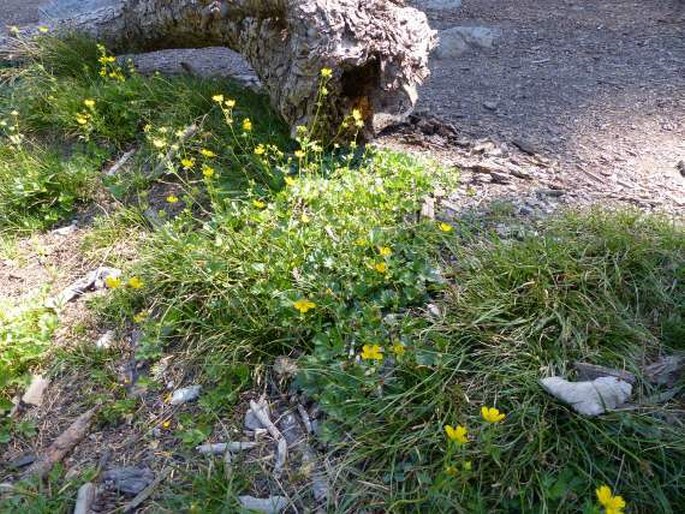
column 455, row 41
column 589, row 398
column 185, row 394
column 105, row 340
column 270, row 505
column 34, row 393
column 65, row 231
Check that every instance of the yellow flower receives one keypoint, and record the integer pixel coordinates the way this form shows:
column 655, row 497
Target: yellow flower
column 172, row 199
column 381, row 267
column 372, row 352
column 258, row 203
column 207, row 171
column 166, row 424
column 398, row 349
column 89, row 102
column 300, row 154
column 326, row 73
column 491, row 414
column 613, row 504
column 187, row 163
column 385, row 251
column 218, row 98
column 247, row 125
column 305, row 218
column 207, row 153
column 81, row 120
column 140, row 317
column 135, row 283
column 356, row 114
column 451, row 471
column 458, row 434
column 230, row 104
column 445, row 227
column 43, row 29
column 289, row 181
column 260, row 150
column 158, row 143
column 304, row 305
column 14, row 29
column 112, row 282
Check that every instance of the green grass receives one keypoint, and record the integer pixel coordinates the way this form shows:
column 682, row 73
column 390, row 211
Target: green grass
column 600, row 287
column 248, row 232
column 61, row 121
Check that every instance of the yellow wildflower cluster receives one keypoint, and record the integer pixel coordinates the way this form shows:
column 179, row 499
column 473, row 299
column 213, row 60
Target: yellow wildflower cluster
column 108, row 65
column 114, row 282
column 372, row 352
column 613, row 504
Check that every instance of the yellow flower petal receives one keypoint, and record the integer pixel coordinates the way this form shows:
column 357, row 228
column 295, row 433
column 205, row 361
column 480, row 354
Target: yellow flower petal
column 491, row 414
column 372, row 352
column 303, row 305
column 458, row 434
column 445, row 227
column 135, row 283
column 112, row 282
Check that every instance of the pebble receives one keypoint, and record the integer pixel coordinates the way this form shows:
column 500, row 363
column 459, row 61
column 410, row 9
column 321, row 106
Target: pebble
column 185, row 394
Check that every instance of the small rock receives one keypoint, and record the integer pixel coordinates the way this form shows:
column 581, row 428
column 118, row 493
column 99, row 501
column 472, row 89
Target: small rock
column 65, row 231
column 491, row 106
column 589, row 398
column 185, row 394
column 525, row 146
column 456, row 41
column 270, row 505
column 129, row 480
column 23, row 461
column 34, row 393
column 433, row 310
column 104, row 342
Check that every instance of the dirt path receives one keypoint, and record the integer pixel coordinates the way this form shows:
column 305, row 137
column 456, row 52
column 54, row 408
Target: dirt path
column 599, row 86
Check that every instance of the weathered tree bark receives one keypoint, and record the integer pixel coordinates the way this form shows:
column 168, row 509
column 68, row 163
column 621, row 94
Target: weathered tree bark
column 378, row 49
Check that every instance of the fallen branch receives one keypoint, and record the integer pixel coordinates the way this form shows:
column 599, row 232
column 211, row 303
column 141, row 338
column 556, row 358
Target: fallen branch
column 61, row 446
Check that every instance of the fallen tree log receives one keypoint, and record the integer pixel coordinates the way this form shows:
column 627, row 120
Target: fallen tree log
column 377, row 49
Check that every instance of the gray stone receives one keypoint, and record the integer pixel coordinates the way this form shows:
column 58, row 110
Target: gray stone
column 270, row 505
column 589, row 398
column 456, row 41
column 129, row 480
column 61, row 9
